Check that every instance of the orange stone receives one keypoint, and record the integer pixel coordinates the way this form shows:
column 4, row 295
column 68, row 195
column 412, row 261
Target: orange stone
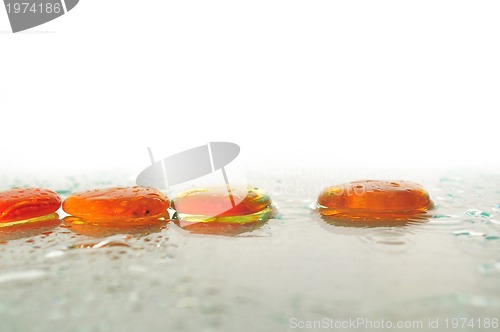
column 370, row 198
column 116, row 203
column 216, row 201
column 27, row 203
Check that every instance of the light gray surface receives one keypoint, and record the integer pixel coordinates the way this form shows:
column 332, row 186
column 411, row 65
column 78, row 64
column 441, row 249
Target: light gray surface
column 296, row 266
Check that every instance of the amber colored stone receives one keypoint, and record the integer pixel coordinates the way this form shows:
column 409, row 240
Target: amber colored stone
column 27, row 203
column 216, row 201
column 116, row 203
column 371, row 198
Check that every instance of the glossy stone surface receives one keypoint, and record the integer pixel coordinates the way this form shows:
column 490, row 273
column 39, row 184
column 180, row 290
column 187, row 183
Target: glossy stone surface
column 27, row 203
column 216, row 204
column 116, row 203
column 372, row 198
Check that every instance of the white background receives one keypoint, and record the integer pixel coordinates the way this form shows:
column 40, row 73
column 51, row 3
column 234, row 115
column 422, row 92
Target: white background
column 376, row 83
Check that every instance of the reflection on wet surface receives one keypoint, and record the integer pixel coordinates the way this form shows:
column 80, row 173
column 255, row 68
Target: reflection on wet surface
column 178, row 276
column 42, row 225
column 219, row 228
column 103, row 228
column 379, row 222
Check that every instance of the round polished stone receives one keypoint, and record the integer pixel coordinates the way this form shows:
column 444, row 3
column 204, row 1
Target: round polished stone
column 372, row 198
column 220, row 204
column 116, row 203
column 27, row 203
